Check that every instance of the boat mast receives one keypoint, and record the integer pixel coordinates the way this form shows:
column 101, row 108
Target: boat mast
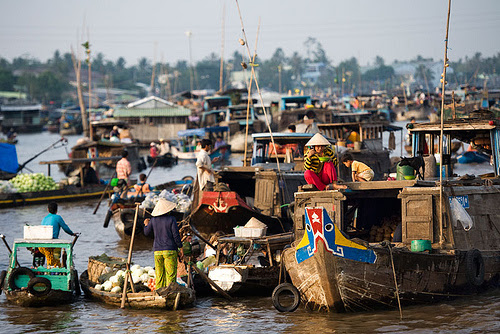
column 221, row 77
column 443, row 84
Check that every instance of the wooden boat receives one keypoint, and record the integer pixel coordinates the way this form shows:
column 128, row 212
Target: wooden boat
column 140, row 300
column 472, row 156
column 345, row 258
column 67, row 193
column 40, row 286
column 251, row 273
column 165, row 160
column 185, row 150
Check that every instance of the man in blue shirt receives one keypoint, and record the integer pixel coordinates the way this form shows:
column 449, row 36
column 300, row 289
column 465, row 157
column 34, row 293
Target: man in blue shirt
column 56, row 221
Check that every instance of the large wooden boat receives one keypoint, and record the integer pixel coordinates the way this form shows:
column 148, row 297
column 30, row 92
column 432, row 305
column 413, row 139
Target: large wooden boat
column 256, row 271
column 344, row 257
column 35, row 285
column 140, row 300
column 66, row 194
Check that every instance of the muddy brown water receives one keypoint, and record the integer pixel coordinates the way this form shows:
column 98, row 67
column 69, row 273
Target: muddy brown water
column 477, row 314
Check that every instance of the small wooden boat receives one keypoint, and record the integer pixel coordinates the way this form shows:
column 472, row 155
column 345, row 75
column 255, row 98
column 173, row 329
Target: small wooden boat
column 257, row 271
column 165, row 160
column 40, row 286
column 67, row 193
column 162, row 299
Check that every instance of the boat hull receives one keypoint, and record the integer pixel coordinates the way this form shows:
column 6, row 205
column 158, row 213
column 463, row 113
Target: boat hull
column 68, row 193
column 338, row 284
column 26, row 299
column 139, row 300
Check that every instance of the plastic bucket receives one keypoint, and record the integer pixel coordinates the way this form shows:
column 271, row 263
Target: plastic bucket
column 113, row 182
column 420, row 245
column 405, row 173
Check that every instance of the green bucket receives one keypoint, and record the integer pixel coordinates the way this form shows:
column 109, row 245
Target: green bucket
column 420, row 245
column 405, row 173
column 113, row 182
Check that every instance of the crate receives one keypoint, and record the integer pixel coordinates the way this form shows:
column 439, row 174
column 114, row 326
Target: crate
column 38, row 232
column 250, row 232
column 97, row 265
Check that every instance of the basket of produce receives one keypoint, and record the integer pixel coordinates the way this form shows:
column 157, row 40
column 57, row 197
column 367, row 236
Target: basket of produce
column 102, row 264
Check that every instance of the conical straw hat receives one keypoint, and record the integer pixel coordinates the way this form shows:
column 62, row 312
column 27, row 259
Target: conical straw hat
column 318, row 140
column 162, row 207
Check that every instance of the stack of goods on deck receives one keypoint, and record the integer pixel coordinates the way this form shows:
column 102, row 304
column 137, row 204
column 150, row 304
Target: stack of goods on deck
column 182, row 200
column 113, row 281
column 385, row 231
column 33, row 182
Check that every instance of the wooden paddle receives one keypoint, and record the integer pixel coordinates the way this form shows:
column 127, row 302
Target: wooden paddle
column 103, row 193
column 129, row 259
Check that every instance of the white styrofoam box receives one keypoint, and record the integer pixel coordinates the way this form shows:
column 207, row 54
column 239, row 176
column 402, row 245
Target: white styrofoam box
column 237, row 231
column 253, row 232
column 38, row 232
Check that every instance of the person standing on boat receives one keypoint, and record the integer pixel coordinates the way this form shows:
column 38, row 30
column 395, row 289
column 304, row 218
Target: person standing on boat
column 56, row 221
column 167, row 242
column 206, row 178
column 123, row 170
column 360, row 171
column 164, row 147
column 153, row 150
column 319, row 164
column 219, row 142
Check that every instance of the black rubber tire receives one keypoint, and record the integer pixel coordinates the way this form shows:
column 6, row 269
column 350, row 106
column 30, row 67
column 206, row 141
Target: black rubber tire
column 284, row 287
column 109, row 214
column 16, row 272
column 474, row 267
column 188, row 177
column 76, row 282
column 37, row 281
column 2, row 279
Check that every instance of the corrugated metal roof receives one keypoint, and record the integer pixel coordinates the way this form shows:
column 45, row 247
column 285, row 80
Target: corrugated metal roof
column 156, row 112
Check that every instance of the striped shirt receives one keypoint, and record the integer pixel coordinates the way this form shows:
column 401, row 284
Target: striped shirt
column 313, row 162
column 123, row 169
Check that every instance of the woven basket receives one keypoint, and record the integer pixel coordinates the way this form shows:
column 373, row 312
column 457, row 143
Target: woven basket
column 97, row 264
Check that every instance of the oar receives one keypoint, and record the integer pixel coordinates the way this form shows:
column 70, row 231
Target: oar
column 129, row 259
column 8, row 248
column 103, row 193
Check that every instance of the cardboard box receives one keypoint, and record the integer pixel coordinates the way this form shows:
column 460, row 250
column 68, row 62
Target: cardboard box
column 38, row 232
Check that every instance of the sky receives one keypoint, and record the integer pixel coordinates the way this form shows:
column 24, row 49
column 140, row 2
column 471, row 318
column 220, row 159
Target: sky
column 392, row 29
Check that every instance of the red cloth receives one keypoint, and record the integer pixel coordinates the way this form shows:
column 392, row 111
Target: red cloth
column 327, row 175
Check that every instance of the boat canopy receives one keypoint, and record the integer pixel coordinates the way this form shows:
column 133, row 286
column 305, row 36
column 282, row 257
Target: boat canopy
column 9, row 162
column 203, row 131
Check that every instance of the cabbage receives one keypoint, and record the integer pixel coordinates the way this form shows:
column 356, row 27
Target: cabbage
column 116, row 289
column 33, row 182
column 98, row 287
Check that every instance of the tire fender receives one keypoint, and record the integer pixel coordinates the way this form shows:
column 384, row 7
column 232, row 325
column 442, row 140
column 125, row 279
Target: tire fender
column 37, row 281
column 474, row 267
column 286, row 287
column 2, row 279
column 16, row 272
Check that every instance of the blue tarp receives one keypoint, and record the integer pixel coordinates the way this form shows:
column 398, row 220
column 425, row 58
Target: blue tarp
column 8, row 158
column 201, row 132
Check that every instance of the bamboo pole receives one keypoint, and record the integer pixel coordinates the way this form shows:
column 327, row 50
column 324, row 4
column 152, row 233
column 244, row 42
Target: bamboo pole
column 221, row 75
column 129, row 259
column 441, row 133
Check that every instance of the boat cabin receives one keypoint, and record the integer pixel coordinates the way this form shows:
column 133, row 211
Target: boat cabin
column 216, row 102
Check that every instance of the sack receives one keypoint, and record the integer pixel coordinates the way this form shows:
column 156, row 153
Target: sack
column 460, row 215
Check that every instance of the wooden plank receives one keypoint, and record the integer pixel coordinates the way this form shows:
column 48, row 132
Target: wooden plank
column 374, row 185
column 80, row 160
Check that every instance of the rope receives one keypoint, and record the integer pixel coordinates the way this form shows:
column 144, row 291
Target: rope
column 395, row 282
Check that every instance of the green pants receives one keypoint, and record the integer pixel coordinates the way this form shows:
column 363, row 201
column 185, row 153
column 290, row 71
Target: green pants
column 165, row 268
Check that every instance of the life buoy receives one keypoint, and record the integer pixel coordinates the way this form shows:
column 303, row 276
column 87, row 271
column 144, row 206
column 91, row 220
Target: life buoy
column 109, row 214
column 286, row 288
column 15, row 273
column 2, row 279
column 474, row 267
column 39, row 286
column 76, row 282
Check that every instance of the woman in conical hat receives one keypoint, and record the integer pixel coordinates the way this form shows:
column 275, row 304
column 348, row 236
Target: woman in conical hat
column 167, row 243
column 319, row 164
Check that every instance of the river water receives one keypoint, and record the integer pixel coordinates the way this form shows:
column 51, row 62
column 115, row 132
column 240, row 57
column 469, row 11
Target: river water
column 479, row 314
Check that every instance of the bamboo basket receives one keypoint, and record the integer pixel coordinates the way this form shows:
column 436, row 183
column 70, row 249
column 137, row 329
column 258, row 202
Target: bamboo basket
column 97, row 264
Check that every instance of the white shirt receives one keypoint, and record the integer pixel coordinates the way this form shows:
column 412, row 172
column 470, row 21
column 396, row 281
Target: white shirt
column 204, row 161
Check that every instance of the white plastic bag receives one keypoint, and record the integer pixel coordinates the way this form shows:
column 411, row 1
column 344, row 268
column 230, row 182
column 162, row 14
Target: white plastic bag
column 460, row 215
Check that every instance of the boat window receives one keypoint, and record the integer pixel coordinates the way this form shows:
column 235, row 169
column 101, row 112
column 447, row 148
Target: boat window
column 373, row 219
column 35, row 257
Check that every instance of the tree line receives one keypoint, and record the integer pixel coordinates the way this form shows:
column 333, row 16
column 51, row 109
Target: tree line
column 314, row 71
